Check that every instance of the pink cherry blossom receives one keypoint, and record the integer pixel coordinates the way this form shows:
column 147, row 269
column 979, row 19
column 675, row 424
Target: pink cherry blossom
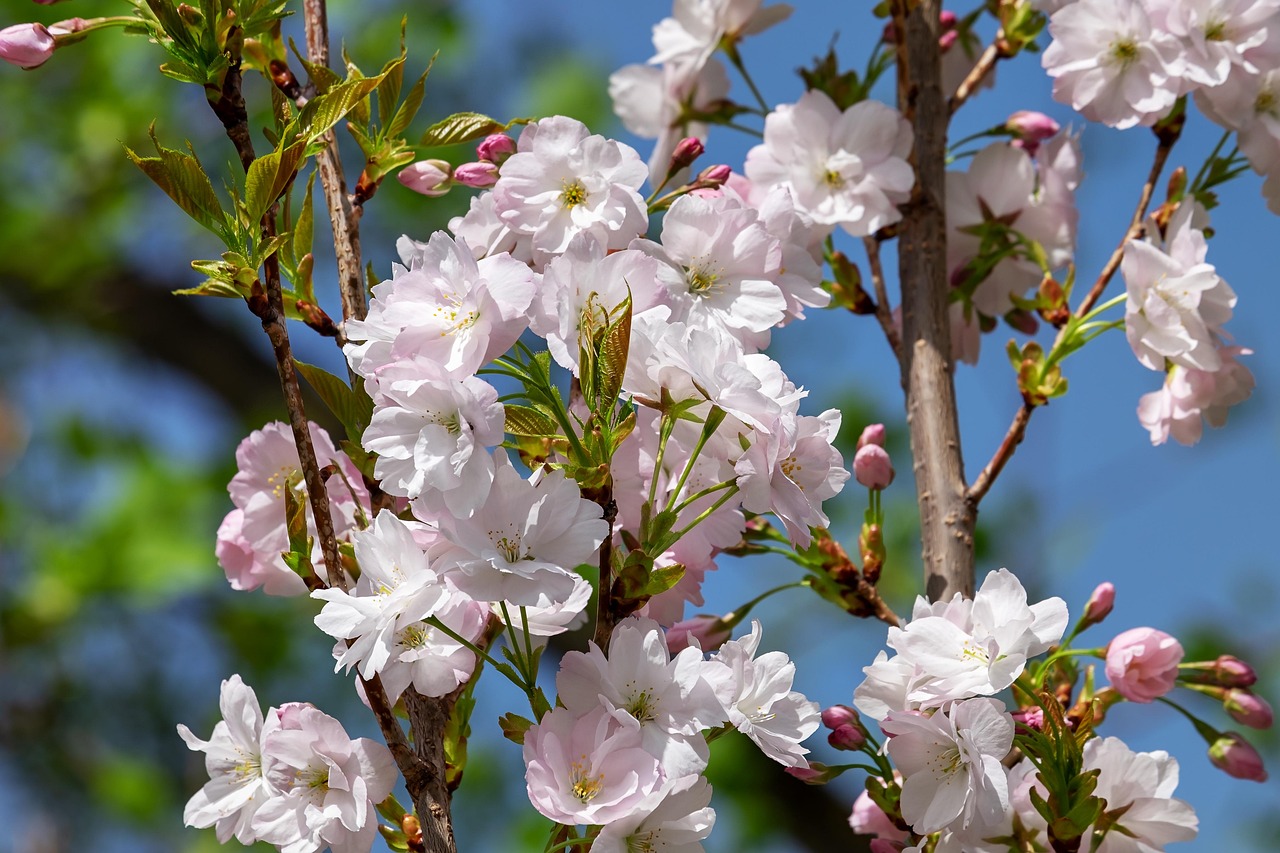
column 1142, row 663
column 26, row 45
column 1140, row 786
column 656, row 103
column 1187, row 396
column 1236, row 757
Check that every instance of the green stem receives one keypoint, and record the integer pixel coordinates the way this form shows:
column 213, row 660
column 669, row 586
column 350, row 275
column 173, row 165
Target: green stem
column 708, row 512
column 1208, row 161
column 714, row 418
column 697, row 496
column 735, row 59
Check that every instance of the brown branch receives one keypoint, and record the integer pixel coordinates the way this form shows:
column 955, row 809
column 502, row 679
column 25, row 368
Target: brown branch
column 883, row 314
column 344, row 216
column 428, row 719
column 946, row 519
column 605, row 616
column 1018, row 428
column 986, row 62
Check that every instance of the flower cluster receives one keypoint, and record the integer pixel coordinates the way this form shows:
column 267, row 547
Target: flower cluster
column 293, row 778
column 1175, row 311
column 626, row 748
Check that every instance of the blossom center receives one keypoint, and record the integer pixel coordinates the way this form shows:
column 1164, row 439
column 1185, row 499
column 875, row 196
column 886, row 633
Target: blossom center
column 414, row 637
column 585, row 788
column 1265, row 102
column 509, row 544
column 833, row 179
column 642, row 707
column 641, row 843
column 1124, row 51
column 572, row 193
column 1216, row 31
column 703, row 275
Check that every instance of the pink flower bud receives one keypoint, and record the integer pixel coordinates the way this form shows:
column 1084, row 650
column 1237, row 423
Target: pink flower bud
column 948, row 19
column 713, row 176
column 890, row 34
column 1100, row 603
column 479, row 175
column 1028, row 124
column 1236, row 757
column 873, row 434
column 839, row 715
column 496, row 148
column 847, row 738
column 948, row 39
column 1247, row 709
column 429, row 177
column 26, row 45
column 687, row 150
column 1142, row 663
column 68, row 27
column 710, row 633
column 1226, row 671
column 872, row 467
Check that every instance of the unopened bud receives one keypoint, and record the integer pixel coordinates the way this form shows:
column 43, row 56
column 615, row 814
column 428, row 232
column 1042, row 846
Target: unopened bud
column 948, row 39
column 1100, row 604
column 890, row 34
column 1177, row 183
column 687, row 150
column 1023, row 321
column 480, row 175
column 26, row 45
column 1236, row 757
column 872, row 467
column 709, row 632
column 848, row 738
column 1032, row 718
column 429, row 177
column 839, row 715
column 713, row 176
column 1031, row 125
column 871, row 434
column 1247, row 709
column 190, row 14
column 1227, row 671
column 496, row 148
column 948, row 19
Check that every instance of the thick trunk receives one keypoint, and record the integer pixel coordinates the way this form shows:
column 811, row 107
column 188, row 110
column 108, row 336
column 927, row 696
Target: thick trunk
column 946, row 517
column 431, row 796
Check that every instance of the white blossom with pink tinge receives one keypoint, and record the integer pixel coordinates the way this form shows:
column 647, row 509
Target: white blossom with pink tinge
column 1177, row 303
column 950, row 763
column 330, row 785
column 669, row 698
column 563, row 181
column 523, row 543
column 1140, row 786
column 1111, row 63
column 716, row 264
column 758, row 700
column 843, row 168
column 590, row 769
column 253, row 535
column 697, row 29
column 1188, row 396
column 675, row 825
column 446, row 307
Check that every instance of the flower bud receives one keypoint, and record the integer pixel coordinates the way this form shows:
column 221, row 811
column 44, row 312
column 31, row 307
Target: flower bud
column 872, row 467
column 479, row 175
column 1236, row 757
column 1247, row 709
column 1031, row 125
column 496, row 148
column 26, row 45
column 872, row 434
column 1227, row 671
column 868, row 818
column 1031, row 718
column 687, row 150
column 1142, row 663
column 848, row 738
column 429, row 177
column 948, row 39
column 948, row 19
column 839, row 715
column 713, row 176
column 1099, row 605
column 709, row 632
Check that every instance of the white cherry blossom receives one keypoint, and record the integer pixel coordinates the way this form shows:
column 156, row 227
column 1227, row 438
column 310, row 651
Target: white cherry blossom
column 675, row 825
column 1140, row 785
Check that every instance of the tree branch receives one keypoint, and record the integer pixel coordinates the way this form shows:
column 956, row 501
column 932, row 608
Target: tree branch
column 946, row 518
column 343, row 215
column 986, row 62
column 883, row 314
column 1018, row 428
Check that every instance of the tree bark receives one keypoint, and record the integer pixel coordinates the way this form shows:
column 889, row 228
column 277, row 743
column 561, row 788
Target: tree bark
column 947, row 518
column 431, row 796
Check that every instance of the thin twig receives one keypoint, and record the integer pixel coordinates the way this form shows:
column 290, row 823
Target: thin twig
column 883, row 314
column 986, row 62
column 604, row 602
column 343, row 214
column 1018, row 428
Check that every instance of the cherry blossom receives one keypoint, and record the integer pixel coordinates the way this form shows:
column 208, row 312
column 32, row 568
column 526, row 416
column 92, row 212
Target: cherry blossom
column 843, row 168
column 1109, row 62
column 675, row 825
column 1187, row 396
column 1142, row 663
column 950, row 763
column 1138, row 786
column 562, row 181
column 656, row 103
column 698, row 27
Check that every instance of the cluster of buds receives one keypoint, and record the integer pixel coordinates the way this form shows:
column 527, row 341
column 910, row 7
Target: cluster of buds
column 847, row 732
column 434, row 178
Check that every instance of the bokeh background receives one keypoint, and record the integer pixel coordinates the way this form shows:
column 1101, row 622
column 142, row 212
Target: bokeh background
column 121, row 406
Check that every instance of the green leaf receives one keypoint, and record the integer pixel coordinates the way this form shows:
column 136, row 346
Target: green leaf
column 351, row 406
column 304, row 231
column 663, row 579
column 184, row 180
column 466, row 127
column 523, row 420
column 612, row 361
column 514, row 727
column 389, row 88
column 412, row 103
